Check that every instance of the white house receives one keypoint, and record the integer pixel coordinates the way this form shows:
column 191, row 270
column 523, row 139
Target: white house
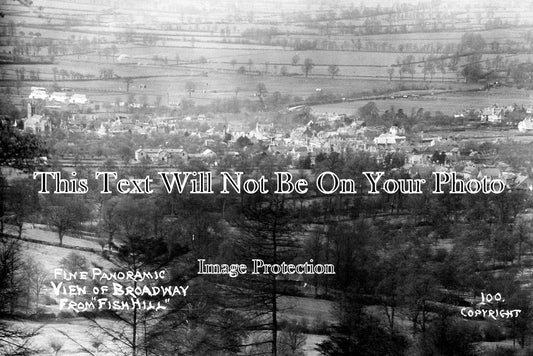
column 389, row 139
column 208, row 153
column 526, row 125
column 78, row 99
column 38, row 94
column 492, row 114
column 59, row 96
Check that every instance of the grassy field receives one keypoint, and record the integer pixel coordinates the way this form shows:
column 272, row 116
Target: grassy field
column 195, row 32
column 217, row 85
column 448, row 103
column 80, row 330
column 50, row 256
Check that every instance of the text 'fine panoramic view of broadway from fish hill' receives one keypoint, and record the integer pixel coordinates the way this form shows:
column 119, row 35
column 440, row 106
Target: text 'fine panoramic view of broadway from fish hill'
column 266, row 177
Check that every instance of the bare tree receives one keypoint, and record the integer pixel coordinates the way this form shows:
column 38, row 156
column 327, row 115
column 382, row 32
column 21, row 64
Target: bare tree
column 128, row 81
column 22, row 201
column 190, row 87
column 109, row 220
column 295, row 60
column 409, row 66
column 36, row 277
column 14, row 340
column 333, row 70
column 441, row 66
column 307, row 66
column 390, row 72
column 523, row 234
column 291, row 342
column 261, row 91
column 65, row 213
column 11, row 280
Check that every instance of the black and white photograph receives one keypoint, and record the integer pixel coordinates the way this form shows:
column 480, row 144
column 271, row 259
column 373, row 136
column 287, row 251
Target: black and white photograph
column 266, row 178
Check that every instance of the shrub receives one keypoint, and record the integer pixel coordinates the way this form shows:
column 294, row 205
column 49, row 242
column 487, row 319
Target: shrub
column 42, row 316
column 319, row 327
column 492, row 332
column 47, row 300
column 501, row 351
column 65, row 315
column 56, row 345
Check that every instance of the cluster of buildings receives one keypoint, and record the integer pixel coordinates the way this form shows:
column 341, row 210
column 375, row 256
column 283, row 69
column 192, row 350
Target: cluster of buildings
column 496, row 114
column 330, row 132
column 37, row 123
column 166, row 155
column 324, row 133
column 62, row 97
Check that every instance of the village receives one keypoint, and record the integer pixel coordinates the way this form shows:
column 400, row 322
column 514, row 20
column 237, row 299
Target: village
column 302, row 145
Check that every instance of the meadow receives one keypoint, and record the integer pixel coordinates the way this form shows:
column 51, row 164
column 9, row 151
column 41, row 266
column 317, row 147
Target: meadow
column 209, row 51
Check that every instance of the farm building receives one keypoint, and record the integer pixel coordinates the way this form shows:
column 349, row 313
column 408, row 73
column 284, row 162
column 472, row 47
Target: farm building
column 160, row 154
